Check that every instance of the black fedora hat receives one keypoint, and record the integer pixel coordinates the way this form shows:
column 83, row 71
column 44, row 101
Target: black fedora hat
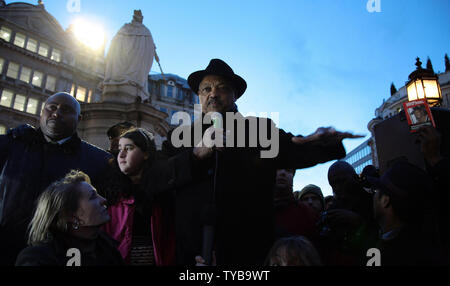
column 403, row 180
column 220, row 68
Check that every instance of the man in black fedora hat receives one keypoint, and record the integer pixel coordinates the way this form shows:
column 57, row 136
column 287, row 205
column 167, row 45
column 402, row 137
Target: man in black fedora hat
column 220, row 76
column 227, row 208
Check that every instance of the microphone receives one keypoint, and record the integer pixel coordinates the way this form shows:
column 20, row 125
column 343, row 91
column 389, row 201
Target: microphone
column 210, row 210
column 208, row 233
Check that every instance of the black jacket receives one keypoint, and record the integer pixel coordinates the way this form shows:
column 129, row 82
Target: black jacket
column 440, row 173
column 410, row 247
column 28, row 165
column 55, row 253
column 242, row 205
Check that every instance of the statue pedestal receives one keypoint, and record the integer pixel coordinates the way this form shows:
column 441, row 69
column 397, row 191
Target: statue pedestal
column 122, row 94
column 98, row 117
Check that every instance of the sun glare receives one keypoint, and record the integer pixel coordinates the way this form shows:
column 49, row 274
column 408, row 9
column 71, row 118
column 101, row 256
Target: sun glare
column 90, row 34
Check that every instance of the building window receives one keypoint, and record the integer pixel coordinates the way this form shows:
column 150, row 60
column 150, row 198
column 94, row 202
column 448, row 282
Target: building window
column 2, row 130
column 169, row 91
column 89, row 98
column 50, row 84
column 179, row 94
column 25, row 74
column 19, row 102
column 81, row 94
column 56, row 55
column 32, row 45
column 32, row 105
column 43, row 50
column 19, row 40
column 6, row 98
column 2, row 61
column 5, row 34
column 13, row 70
column 72, row 91
column 37, row 78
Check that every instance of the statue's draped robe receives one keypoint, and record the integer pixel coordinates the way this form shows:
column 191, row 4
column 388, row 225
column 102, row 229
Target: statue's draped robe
column 130, row 57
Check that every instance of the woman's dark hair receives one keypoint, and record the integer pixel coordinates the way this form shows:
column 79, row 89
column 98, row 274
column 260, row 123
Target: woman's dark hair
column 144, row 140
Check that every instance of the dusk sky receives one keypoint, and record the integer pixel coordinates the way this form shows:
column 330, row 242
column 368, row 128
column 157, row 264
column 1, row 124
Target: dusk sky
column 317, row 63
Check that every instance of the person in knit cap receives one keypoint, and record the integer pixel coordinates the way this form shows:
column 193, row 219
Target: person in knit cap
column 312, row 196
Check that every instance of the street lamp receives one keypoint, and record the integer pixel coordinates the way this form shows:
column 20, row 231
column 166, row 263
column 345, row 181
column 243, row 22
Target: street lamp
column 423, row 83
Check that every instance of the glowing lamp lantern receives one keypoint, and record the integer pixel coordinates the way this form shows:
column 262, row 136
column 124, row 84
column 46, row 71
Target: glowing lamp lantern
column 423, row 83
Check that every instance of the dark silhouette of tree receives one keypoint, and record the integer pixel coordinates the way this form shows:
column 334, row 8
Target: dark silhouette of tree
column 393, row 89
column 447, row 63
column 429, row 65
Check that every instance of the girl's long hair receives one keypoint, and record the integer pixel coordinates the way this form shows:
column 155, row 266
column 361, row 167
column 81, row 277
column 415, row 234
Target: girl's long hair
column 55, row 206
column 119, row 185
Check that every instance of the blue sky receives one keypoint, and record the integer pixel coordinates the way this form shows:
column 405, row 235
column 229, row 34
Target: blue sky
column 317, row 63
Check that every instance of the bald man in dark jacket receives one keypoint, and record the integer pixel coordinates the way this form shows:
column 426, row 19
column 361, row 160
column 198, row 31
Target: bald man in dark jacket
column 31, row 159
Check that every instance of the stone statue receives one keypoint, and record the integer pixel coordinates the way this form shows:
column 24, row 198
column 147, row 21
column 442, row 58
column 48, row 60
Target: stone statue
column 128, row 62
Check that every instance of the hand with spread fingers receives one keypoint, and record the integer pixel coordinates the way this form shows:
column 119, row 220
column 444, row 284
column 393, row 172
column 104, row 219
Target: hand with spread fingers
column 214, row 139
column 325, row 136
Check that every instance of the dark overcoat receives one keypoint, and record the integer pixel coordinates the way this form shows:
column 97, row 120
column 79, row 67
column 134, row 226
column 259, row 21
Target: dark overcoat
column 234, row 191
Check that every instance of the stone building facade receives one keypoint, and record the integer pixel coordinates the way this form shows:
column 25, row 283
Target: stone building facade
column 38, row 58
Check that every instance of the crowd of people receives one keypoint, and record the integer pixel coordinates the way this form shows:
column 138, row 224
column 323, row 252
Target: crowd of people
column 209, row 205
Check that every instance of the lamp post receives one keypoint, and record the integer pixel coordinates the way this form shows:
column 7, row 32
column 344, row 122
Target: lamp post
column 423, row 83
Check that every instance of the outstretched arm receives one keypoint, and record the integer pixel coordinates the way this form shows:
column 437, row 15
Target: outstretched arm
column 325, row 136
column 324, row 145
